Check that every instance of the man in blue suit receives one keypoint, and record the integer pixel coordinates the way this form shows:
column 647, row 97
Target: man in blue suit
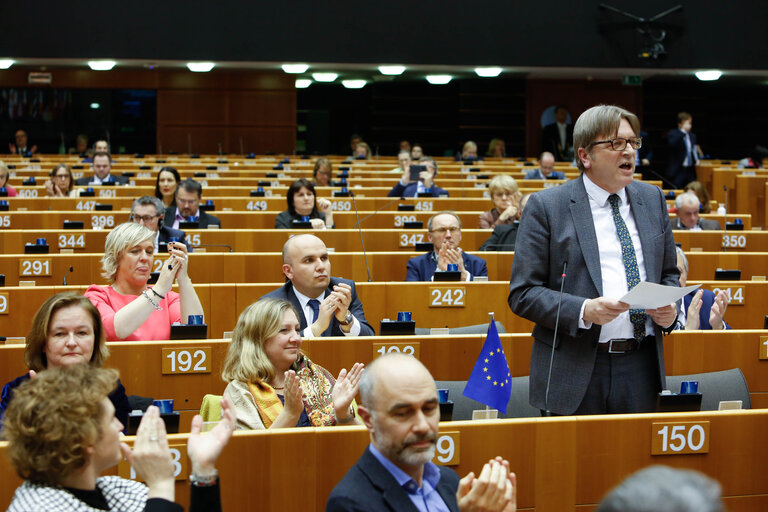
column 148, row 211
column 702, row 309
column 425, row 185
column 445, row 234
column 327, row 306
column 684, row 152
column 546, row 170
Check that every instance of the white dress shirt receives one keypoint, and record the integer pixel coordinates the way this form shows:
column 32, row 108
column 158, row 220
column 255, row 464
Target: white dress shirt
column 308, row 314
column 614, row 277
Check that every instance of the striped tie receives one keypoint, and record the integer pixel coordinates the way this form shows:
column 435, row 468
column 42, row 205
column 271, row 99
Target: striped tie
column 636, row 316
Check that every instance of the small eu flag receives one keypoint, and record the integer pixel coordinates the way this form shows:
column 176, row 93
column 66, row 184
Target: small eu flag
column 491, row 382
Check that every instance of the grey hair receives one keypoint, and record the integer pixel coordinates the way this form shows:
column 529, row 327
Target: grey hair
column 687, row 199
column 121, row 238
column 425, row 159
column 147, row 200
column 681, row 254
column 664, row 489
column 444, row 212
column 600, row 121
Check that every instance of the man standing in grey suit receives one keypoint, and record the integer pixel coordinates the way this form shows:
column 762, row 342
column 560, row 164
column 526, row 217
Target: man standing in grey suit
column 613, row 233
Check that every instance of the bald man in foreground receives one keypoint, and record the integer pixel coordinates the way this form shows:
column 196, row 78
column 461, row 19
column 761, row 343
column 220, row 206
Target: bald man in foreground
column 395, row 473
column 329, row 303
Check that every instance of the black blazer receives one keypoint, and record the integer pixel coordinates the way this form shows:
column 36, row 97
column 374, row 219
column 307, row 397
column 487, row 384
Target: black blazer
column 334, row 329
column 369, row 487
column 550, row 141
column 86, row 180
column 502, row 239
column 166, row 233
column 204, row 219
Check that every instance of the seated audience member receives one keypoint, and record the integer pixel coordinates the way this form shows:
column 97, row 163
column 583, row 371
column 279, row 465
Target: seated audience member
column 405, row 146
column 444, row 231
column 323, row 172
column 354, row 139
column 496, row 148
column 102, row 169
column 468, row 151
column 546, row 170
column 755, row 158
column 504, row 235
column 100, row 145
column 130, row 310
column 188, row 196
column 688, row 205
column 505, row 197
column 273, row 384
column 417, row 153
column 702, row 309
column 66, row 330
column 81, row 146
column 400, row 409
column 331, row 303
column 362, row 151
column 701, row 192
column 149, row 211
column 61, row 183
column 664, row 489
column 425, row 185
column 404, row 162
column 167, row 184
column 302, row 202
column 62, row 434
column 5, row 174
column 20, row 147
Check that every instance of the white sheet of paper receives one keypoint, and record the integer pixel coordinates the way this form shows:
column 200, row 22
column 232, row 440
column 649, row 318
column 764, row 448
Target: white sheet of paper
column 651, row 295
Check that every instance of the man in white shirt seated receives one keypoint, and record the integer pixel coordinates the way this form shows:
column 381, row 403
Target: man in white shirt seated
column 102, row 172
column 688, row 206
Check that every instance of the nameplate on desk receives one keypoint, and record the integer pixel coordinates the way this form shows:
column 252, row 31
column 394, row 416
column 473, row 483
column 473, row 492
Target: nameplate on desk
column 4, row 303
column 34, row 267
column 735, row 294
column 178, row 460
column 186, row 360
column 763, row 347
column 411, row 349
column 410, row 240
column 447, row 296
column 71, row 241
column 448, row 449
column 679, row 438
column 734, row 242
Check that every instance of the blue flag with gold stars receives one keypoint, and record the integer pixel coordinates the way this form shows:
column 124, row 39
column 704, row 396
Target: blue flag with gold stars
column 491, row 382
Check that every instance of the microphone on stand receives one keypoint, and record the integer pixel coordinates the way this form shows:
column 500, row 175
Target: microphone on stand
column 360, row 230
column 70, row 269
column 547, row 412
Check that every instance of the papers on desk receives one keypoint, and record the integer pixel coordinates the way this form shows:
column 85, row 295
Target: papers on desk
column 651, row 295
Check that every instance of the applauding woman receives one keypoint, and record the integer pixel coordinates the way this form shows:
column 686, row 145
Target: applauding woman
column 131, row 310
column 303, row 203
column 272, row 384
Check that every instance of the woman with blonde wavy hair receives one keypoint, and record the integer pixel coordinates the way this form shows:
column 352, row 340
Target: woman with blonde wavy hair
column 272, row 384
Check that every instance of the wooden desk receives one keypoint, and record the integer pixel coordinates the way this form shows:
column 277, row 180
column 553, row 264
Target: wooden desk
column 556, row 459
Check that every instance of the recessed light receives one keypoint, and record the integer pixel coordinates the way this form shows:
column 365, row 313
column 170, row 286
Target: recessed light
column 200, row 67
column 95, row 106
column 303, row 83
column 439, row 79
column 708, row 76
column 295, row 68
column 325, row 77
column 488, row 72
column 391, row 70
column 6, row 63
column 354, row 84
column 101, row 65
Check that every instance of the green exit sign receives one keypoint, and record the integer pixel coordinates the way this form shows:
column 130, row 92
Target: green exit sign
column 631, row 80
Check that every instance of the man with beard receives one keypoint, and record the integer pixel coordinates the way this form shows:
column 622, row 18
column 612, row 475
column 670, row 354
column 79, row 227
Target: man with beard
column 400, row 408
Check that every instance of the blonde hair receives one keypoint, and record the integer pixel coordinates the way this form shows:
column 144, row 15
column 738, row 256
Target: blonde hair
column 121, row 238
column 4, row 167
column 504, row 183
column 246, row 359
column 600, row 121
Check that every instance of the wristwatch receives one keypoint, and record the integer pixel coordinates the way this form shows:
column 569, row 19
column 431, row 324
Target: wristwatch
column 348, row 319
column 204, row 481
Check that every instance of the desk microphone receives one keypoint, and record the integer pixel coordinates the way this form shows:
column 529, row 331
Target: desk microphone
column 360, row 230
column 70, row 269
column 554, row 343
column 213, row 245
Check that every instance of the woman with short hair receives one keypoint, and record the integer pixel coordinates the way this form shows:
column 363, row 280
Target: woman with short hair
column 130, row 309
column 505, row 196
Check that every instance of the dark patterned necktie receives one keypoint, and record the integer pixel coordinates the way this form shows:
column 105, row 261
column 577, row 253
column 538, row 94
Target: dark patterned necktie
column 315, row 305
column 636, row 316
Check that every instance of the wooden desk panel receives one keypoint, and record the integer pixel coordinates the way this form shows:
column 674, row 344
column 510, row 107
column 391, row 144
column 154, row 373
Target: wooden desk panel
column 610, row 446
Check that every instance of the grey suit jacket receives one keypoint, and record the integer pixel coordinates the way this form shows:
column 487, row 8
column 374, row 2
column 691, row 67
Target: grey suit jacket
column 334, row 329
column 556, row 227
column 705, row 224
